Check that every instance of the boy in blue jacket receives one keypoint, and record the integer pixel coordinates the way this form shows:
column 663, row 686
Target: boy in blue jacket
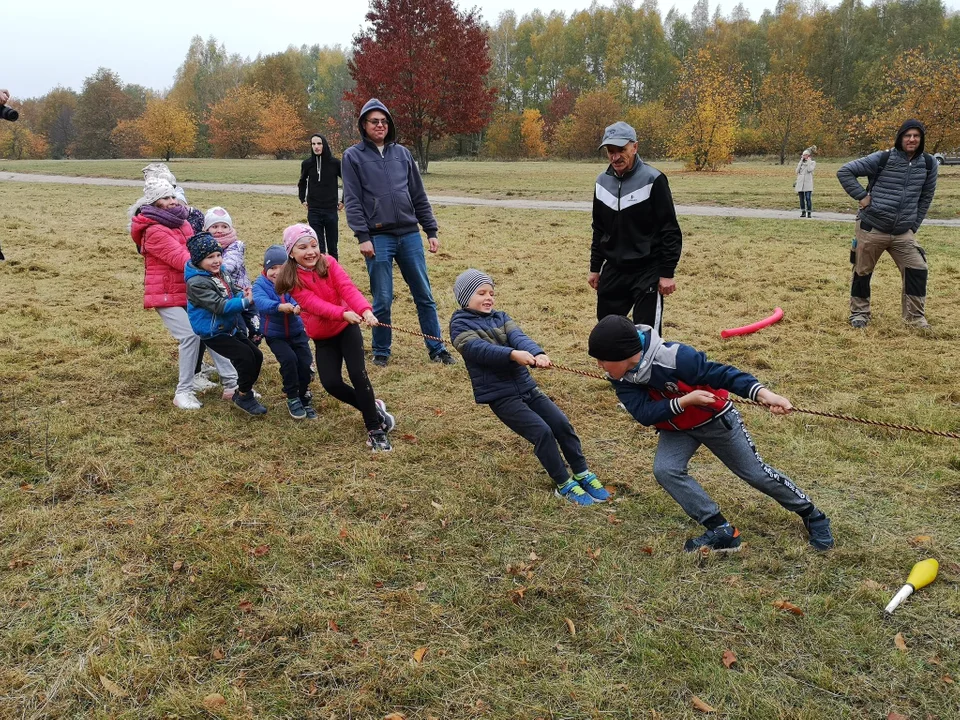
column 685, row 396
column 280, row 324
column 497, row 353
column 215, row 306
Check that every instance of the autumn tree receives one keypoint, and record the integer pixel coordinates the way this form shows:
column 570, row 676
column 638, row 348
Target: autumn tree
column 502, row 139
column 580, row 134
column 790, row 109
column 428, row 63
column 236, row 122
column 285, row 75
column 127, row 139
column 55, row 119
column 705, row 106
column 531, row 134
column 652, row 123
column 18, row 142
column 167, row 129
column 282, row 131
column 101, row 105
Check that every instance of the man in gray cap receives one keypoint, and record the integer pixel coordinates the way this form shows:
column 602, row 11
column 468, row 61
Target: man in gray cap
column 636, row 238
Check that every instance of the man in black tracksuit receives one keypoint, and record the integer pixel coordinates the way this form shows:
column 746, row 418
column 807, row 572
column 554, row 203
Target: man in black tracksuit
column 636, row 237
column 319, row 194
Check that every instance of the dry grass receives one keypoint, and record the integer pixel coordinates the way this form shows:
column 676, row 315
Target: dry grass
column 279, row 564
column 743, row 184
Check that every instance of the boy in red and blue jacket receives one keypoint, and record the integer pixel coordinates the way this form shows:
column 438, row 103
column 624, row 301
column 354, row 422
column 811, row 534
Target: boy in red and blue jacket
column 675, row 388
column 280, row 324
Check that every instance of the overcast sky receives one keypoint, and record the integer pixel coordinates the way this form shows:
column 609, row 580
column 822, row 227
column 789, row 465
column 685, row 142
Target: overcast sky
column 60, row 42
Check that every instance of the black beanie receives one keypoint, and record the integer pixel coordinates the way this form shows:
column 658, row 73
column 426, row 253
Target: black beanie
column 201, row 245
column 911, row 125
column 613, row 339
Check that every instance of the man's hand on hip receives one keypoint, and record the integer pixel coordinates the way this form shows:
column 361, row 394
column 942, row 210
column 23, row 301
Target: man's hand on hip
column 667, row 286
column 593, row 279
column 366, row 249
column 433, row 244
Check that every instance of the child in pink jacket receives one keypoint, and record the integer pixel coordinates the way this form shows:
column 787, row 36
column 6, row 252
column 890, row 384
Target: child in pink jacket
column 332, row 308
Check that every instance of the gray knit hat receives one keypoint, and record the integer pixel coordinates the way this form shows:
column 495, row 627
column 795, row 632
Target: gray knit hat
column 275, row 255
column 467, row 283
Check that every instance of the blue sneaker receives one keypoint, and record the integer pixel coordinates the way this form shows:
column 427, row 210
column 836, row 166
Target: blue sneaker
column 725, row 538
column 572, row 491
column 819, row 530
column 592, row 486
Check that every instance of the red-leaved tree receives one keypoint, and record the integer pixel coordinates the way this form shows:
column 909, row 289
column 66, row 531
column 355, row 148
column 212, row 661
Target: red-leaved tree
column 428, row 64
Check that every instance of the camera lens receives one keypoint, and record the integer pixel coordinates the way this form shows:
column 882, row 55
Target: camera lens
column 8, row 113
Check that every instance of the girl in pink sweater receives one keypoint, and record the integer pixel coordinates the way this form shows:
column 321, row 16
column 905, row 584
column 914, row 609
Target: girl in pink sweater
column 332, row 308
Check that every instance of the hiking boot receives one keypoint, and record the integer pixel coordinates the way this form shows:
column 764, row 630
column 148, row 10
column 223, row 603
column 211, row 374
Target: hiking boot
column 803, row 213
column 201, row 383
column 248, row 403
column 307, row 402
column 592, row 486
column 918, row 324
column 819, row 530
column 381, row 360
column 725, row 538
column 572, row 491
column 387, row 421
column 187, row 401
column 443, row 357
column 378, row 441
column 858, row 322
column 296, row 409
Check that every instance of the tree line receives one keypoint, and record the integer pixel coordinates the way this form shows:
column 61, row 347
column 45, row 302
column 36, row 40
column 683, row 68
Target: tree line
column 701, row 88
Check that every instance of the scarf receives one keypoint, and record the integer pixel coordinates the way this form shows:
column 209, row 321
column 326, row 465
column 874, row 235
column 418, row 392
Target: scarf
column 226, row 239
column 173, row 218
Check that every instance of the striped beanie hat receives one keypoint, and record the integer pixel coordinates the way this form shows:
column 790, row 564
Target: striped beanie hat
column 467, row 283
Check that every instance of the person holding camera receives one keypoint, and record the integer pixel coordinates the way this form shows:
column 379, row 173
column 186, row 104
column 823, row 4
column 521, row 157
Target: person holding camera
column 804, row 183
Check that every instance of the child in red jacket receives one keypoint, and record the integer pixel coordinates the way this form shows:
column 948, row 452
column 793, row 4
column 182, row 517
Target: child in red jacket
column 332, row 308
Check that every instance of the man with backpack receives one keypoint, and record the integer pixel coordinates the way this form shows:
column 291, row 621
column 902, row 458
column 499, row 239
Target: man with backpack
column 900, row 187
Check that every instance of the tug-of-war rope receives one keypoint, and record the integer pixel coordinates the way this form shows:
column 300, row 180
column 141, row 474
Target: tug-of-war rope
column 742, row 401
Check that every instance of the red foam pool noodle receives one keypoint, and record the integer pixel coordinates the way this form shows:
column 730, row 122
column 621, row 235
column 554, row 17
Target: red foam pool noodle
column 759, row 325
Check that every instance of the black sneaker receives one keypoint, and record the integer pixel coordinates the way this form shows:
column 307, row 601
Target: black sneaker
column 387, row 421
column 307, row 402
column 296, row 409
column 819, row 530
column 248, row 403
column 378, row 441
column 444, row 358
column 381, row 360
column 725, row 538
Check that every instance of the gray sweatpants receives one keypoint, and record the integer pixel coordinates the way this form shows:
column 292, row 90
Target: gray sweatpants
column 728, row 439
column 176, row 321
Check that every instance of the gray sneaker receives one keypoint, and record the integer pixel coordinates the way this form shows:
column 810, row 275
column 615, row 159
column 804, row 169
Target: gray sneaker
column 858, row 322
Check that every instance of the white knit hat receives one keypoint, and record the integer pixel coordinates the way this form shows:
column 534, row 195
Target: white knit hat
column 216, row 215
column 153, row 190
column 158, row 170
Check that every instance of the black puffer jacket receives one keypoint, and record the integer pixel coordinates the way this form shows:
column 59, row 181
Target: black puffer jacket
column 902, row 192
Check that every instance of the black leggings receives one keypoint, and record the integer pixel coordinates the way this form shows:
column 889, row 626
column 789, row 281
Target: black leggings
column 330, row 356
column 294, row 357
column 245, row 356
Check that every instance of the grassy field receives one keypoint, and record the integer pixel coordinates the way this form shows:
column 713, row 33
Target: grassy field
column 155, row 560
column 742, row 184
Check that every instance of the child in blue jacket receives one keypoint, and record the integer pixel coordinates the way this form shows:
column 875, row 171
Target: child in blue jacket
column 280, row 324
column 215, row 306
column 497, row 353
column 685, row 396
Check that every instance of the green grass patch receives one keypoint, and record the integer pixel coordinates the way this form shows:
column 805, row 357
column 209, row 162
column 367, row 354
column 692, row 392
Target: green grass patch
column 282, row 566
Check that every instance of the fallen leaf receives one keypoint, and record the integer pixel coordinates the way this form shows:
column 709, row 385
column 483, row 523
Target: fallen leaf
column 895, row 716
column 332, row 625
column 217, row 654
column 214, row 701
column 571, row 627
column 516, row 595
column 409, row 437
column 378, row 584
column 533, row 556
column 438, row 412
column 420, row 586
column 610, row 489
column 394, row 716
column 647, row 550
column 920, row 539
column 700, row 705
column 900, row 642
column 947, row 679
column 343, row 533
column 729, row 658
column 613, row 519
column 245, row 606
column 14, row 564
column 436, row 505
column 444, row 522
column 111, row 687
column 312, row 690
column 260, row 550
column 419, row 654
column 177, row 565
column 788, row 607
column 26, row 486
column 871, row 585
column 593, row 554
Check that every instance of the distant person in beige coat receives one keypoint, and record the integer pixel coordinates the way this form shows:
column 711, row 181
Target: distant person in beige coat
column 804, row 184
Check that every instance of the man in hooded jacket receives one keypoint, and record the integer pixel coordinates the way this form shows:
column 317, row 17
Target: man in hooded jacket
column 386, row 205
column 900, row 188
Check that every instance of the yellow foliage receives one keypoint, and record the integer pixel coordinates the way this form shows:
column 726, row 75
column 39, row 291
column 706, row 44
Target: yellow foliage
column 282, row 129
column 236, row 122
column 651, row 121
column 707, row 100
column 502, row 138
column 167, row 129
column 127, row 138
column 791, row 109
column 591, row 115
column 531, row 134
column 17, row 142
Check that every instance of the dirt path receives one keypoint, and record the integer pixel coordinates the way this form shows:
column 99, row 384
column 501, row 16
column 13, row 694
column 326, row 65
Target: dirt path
column 566, row 205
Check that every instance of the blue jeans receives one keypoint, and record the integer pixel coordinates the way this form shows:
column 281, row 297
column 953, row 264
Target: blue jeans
column 407, row 250
column 806, row 198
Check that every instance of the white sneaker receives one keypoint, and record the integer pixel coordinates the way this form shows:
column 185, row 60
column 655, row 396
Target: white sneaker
column 187, row 401
column 206, row 369
column 201, row 383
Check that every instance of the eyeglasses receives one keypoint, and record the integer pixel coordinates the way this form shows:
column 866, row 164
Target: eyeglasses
column 378, row 121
